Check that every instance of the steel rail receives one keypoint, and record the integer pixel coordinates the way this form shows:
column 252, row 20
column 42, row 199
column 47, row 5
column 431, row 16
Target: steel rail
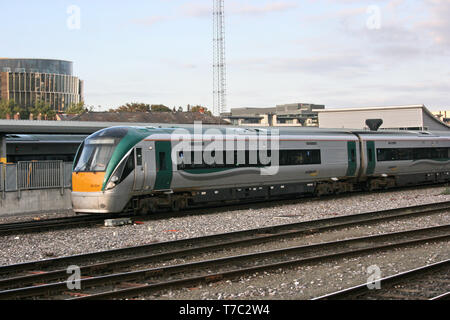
column 217, row 241
column 89, row 220
column 40, row 225
column 444, row 296
column 386, row 284
column 192, row 246
column 347, row 247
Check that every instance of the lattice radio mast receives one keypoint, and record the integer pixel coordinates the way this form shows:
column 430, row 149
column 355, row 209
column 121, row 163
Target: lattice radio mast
column 219, row 64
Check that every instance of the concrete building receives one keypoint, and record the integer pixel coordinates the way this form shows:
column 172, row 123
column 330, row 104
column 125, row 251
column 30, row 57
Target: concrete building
column 443, row 116
column 27, row 81
column 412, row 117
column 295, row 114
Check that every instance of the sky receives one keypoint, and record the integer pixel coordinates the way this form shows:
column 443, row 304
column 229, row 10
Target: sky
column 341, row 53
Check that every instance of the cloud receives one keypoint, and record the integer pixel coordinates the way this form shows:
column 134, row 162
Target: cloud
column 338, row 64
column 194, row 9
column 197, row 9
column 438, row 25
column 149, row 21
column 262, row 9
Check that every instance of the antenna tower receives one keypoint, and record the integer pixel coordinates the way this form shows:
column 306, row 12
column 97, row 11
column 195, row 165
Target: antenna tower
column 219, row 63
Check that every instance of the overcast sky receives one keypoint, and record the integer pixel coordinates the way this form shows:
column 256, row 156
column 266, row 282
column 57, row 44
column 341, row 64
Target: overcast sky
column 341, row 53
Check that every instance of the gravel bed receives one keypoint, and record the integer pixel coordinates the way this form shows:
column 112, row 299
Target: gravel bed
column 36, row 246
column 397, row 225
column 314, row 279
column 36, row 216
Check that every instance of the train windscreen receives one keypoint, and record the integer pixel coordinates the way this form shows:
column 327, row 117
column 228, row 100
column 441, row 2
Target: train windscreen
column 98, row 150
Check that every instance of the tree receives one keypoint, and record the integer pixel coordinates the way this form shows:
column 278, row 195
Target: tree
column 160, row 108
column 40, row 107
column 77, row 108
column 8, row 107
column 133, row 107
column 141, row 107
column 201, row 109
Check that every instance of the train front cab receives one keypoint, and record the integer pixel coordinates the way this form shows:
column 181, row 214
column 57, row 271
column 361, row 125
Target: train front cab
column 106, row 169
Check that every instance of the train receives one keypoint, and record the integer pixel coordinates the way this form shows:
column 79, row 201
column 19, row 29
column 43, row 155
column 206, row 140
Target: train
column 42, row 147
column 148, row 169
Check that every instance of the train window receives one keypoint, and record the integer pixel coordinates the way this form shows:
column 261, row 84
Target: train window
column 80, row 150
column 181, row 160
column 128, row 167
column 299, row 157
column 404, row 154
column 162, row 161
column 139, row 156
column 243, row 159
column 353, row 156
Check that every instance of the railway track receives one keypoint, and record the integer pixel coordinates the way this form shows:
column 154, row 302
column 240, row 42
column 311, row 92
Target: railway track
column 52, row 224
column 429, row 282
column 96, row 220
column 105, row 276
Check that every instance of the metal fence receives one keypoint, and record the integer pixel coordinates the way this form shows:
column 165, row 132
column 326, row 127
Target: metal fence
column 31, row 175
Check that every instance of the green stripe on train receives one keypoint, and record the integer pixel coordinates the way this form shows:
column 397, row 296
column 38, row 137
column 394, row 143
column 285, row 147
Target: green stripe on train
column 164, row 174
column 133, row 137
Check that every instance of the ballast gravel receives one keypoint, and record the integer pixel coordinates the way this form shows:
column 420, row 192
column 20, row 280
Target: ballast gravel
column 36, row 246
column 313, row 280
column 298, row 283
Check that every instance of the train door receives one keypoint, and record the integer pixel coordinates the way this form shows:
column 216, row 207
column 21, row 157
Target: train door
column 370, row 157
column 352, row 164
column 139, row 172
column 163, row 157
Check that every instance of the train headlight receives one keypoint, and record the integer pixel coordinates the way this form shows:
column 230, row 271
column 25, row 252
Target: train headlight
column 112, row 183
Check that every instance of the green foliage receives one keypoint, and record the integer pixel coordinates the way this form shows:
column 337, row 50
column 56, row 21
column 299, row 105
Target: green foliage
column 134, row 107
column 160, row 108
column 141, row 107
column 40, row 107
column 8, row 107
column 77, row 108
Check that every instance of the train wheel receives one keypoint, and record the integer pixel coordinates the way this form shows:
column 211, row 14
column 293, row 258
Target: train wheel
column 323, row 189
column 153, row 207
column 176, row 205
column 374, row 185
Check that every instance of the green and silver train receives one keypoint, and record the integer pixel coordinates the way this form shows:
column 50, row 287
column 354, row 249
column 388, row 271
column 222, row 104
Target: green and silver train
column 147, row 169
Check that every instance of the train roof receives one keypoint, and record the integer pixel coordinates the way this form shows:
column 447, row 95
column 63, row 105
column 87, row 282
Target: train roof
column 303, row 131
column 145, row 131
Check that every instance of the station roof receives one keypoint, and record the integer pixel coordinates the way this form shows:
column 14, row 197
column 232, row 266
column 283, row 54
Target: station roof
column 73, row 127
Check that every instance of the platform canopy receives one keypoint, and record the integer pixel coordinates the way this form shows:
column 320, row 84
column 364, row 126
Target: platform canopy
column 66, row 128
column 72, row 127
